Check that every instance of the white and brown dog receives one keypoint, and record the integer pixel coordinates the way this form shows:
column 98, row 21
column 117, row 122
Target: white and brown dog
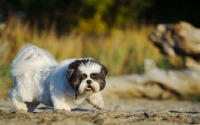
column 38, row 78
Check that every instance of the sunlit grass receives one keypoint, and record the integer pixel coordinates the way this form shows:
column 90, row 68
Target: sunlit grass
column 122, row 52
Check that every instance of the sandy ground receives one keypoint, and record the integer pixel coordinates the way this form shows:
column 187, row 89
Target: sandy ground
column 118, row 111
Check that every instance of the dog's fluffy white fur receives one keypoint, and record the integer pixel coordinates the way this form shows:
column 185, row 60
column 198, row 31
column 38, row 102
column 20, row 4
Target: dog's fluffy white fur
column 38, row 78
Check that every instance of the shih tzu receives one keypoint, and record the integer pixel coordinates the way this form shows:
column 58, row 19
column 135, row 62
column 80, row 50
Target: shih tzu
column 38, row 78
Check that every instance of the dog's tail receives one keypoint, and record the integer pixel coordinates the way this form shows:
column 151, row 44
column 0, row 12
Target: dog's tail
column 31, row 58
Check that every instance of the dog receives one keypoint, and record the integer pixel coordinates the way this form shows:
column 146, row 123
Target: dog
column 39, row 78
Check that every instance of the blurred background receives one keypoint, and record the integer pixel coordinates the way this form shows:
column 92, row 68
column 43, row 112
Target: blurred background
column 113, row 32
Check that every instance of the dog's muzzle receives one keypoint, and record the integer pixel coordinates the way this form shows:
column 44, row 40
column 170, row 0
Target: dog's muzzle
column 89, row 87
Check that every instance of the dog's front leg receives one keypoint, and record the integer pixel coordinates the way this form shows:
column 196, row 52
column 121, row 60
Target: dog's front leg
column 16, row 100
column 96, row 100
column 59, row 102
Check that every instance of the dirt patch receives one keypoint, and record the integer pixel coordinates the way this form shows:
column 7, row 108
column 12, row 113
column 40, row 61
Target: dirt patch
column 137, row 111
column 99, row 117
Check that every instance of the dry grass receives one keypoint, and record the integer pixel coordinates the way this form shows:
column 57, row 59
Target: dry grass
column 123, row 51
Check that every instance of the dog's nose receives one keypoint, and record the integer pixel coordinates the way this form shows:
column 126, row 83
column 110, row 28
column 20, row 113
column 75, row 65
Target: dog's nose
column 89, row 81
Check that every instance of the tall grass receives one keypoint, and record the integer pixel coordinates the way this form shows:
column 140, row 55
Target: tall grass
column 122, row 52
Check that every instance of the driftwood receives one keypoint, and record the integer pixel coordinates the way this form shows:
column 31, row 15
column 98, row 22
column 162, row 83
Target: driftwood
column 155, row 84
column 180, row 39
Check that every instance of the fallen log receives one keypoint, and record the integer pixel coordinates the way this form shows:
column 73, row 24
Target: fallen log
column 180, row 39
column 155, row 84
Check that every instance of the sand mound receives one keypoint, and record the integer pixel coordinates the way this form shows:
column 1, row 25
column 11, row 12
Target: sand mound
column 99, row 117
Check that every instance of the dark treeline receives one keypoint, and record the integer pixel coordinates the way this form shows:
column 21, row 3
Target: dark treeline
column 70, row 14
column 171, row 11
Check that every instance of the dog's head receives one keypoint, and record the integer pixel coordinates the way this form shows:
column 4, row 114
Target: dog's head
column 86, row 75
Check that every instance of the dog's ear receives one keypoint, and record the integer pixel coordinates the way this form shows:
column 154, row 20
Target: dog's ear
column 69, row 73
column 104, row 71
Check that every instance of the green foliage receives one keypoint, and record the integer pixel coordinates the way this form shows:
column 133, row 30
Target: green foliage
column 84, row 15
column 170, row 63
column 100, row 16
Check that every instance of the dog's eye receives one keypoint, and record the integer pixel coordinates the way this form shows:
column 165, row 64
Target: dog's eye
column 83, row 76
column 94, row 76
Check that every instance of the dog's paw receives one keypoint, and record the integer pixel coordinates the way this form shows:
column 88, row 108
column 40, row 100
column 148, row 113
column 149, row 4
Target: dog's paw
column 96, row 100
column 99, row 105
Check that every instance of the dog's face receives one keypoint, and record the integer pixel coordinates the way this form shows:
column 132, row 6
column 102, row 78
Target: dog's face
column 86, row 75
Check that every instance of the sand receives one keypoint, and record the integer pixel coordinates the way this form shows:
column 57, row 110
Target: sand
column 118, row 111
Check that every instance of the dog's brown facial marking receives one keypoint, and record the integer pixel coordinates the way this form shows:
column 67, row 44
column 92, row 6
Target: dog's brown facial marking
column 100, row 78
column 75, row 79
